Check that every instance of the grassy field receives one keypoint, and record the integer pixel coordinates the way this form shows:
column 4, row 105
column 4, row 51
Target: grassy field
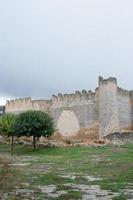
column 67, row 173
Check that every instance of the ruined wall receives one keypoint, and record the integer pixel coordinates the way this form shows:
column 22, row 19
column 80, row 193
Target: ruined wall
column 108, row 107
column 107, row 110
column 84, row 107
column 43, row 105
column 124, row 109
column 70, row 112
column 19, row 105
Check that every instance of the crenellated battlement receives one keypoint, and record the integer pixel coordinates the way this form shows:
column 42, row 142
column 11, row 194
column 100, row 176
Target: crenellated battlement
column 19, row 105
column 60, row 100
column 107, row 81
column 20, row 100
column 79, row 97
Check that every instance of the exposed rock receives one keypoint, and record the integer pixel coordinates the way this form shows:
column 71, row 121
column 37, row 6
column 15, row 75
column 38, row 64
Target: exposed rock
column 120, row 136
column 70, row 176
column 20, row 164
column 57, row 194
column 92, row 192
column 47, row 189
column 50, row 190
column 91, row 178
column 24, row 192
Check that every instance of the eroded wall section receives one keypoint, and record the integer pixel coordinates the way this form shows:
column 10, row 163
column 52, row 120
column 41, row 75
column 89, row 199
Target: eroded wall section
column 125, row 109
column 83, row 105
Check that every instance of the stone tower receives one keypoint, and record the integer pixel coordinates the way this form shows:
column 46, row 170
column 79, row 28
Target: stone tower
column 108, row 108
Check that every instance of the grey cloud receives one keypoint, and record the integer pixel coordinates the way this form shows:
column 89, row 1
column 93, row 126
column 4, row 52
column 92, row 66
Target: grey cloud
column 53, row 46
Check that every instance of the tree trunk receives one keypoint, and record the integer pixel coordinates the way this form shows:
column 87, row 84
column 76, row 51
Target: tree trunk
column 34, row 142
column 12, row 149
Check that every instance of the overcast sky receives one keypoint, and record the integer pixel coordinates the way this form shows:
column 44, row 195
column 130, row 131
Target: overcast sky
column 52, row 46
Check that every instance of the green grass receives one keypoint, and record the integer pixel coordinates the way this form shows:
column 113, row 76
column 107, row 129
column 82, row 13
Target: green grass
column 53, row 178
column 113, row 164
column 121, row 197
column 70, row 195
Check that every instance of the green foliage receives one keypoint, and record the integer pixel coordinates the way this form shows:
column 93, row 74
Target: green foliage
column 7, row 122
column 121, row 197
column 36, row 123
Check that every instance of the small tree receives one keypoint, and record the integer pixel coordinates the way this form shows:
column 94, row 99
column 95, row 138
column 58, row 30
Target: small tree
column 7, row 122
column 35, row 124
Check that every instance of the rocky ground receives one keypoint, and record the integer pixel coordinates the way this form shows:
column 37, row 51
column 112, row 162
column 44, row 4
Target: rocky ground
column 84, row 173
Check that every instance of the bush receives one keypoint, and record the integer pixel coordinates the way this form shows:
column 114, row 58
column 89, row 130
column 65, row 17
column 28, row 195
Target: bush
column 7, row 122
column 35, row 124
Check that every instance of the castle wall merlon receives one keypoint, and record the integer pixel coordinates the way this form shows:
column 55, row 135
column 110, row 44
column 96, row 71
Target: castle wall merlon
column 66, row 98
column 106, row 81
column 76, row 98
column 60, row 96
column 71, row 98
column 84, row 95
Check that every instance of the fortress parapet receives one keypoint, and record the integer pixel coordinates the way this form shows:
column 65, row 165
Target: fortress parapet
column 76, row 98
column 18, row 105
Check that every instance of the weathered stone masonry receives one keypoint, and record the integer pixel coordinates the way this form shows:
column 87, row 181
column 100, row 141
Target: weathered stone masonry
column 107, row 110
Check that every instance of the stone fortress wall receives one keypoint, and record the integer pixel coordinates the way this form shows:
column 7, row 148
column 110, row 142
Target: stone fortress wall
column 107, row 110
